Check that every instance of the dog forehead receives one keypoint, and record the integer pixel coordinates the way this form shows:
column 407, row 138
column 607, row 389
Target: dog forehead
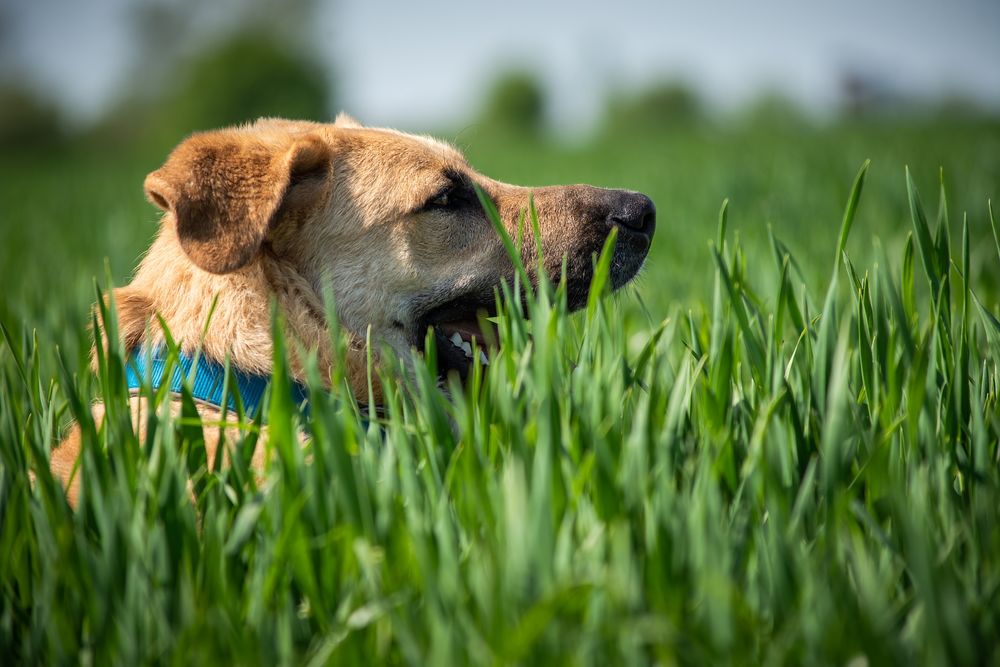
column 406, row 150
column 400, row 149
column 443, row 150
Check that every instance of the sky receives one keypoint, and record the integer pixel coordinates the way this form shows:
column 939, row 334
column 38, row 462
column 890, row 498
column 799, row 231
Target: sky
column 427, row 63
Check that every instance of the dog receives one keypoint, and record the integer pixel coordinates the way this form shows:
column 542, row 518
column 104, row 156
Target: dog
column 390, row 223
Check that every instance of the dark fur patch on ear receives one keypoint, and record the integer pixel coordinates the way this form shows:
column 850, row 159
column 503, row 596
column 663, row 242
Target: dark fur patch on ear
column 222, row 221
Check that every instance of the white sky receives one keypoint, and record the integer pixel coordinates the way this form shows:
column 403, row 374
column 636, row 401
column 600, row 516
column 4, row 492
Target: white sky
column 427, row 62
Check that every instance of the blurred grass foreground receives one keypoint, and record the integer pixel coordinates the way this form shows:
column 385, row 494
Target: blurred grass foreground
column 781, row 447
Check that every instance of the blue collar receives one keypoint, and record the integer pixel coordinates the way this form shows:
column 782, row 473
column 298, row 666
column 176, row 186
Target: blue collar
column 208, row 380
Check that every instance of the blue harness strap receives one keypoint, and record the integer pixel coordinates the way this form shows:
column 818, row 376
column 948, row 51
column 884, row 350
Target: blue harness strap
column 208, row 381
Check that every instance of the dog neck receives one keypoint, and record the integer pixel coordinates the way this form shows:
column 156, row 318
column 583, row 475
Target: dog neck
column 168, row 285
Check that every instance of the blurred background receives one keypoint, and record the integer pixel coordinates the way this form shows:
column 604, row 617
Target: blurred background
column 772, row 104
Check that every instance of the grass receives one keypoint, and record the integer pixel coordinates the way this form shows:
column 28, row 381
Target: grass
column 790, row 470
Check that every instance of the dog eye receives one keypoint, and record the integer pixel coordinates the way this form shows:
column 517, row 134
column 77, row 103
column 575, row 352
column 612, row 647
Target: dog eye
column 442, row 200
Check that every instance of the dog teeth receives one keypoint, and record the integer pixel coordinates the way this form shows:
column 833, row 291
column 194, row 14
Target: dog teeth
column 466, row 347
column 483, row 359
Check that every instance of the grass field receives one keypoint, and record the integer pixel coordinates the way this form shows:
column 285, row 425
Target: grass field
column 781, row 447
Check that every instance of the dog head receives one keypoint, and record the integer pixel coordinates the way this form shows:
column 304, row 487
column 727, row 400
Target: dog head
column 389, row 222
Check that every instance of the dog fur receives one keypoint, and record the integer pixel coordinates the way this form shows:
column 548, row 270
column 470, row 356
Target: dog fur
column 388, row 222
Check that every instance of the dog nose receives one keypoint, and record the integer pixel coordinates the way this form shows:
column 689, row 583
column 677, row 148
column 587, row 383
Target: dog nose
column 635, row 213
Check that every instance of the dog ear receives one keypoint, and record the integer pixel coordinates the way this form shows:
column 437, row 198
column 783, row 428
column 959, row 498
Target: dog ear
column 346, row 121
column 225, row 190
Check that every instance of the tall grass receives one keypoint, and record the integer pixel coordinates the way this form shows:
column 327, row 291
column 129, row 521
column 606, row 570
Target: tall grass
column 774, row 478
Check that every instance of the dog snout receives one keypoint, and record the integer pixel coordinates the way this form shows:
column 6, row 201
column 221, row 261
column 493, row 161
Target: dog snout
column 633, row 213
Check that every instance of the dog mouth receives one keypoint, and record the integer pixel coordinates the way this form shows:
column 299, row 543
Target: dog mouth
column 462, row 344
column 463, row 334
column 463, row 328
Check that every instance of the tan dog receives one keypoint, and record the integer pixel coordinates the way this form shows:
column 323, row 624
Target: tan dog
column 389, row 222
